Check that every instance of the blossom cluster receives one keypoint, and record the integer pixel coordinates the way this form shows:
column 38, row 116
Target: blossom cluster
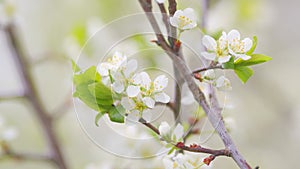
column 227, row 46
column 137, row 92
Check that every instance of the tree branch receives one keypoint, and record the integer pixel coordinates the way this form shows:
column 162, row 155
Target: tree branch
column 213, row 114
column 34, row 98
column 206, row 68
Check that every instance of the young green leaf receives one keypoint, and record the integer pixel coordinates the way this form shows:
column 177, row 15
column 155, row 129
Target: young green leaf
column 229, row 64
column 75, row 67
column 255, row 59
column 254, row 43
column 102, row 94
column 244, row 73
column 115, row 114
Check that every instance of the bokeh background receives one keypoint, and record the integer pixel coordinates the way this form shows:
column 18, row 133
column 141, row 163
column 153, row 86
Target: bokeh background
column 265, row 111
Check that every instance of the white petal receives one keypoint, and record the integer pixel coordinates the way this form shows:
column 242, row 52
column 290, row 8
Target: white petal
column 178, row 131
column 209, row 42
column 133, row 91
column 224, row 59
column 160, row 83
column 189, row 13
column 127, row 103
column 164, row 128
column 174, row 20
column 247, row 44
column 160, row 1
column 145, row 80
column 233, row 34
column 209, row 56
column 243, row 56
column 118, row 86
column 130, row 67
column 149, row 102
column 103, row 68
column 223, row 83
column 118, row 58
column 133, row 116
column 136, row 79
column 147, row 115
column 210, row 74
column 162, row 97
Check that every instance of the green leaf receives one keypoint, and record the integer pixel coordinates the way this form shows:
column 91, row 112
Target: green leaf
column 75, row 67
column 98, row 117
column 102, row 95
column 216, row 35
column 229, row 64
column 255, row 59
column 82, row 81
column 244, row 73
column 115, row 114
column 254, row 41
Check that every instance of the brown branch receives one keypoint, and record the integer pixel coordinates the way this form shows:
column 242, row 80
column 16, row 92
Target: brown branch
column 193, row 147
column 207, row 68
column 34, row 98
column 213, row 114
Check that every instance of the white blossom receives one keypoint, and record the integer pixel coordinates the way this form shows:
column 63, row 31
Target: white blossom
column 182, row 161
column 226, row 46
column 222, row 83
column 238, row 47
column 184, row 20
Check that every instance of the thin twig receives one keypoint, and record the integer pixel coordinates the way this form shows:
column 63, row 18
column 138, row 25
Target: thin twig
column 11, row 97
column 213, row 114
column 207, row 68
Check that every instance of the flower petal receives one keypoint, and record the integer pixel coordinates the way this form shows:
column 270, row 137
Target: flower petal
column 209, row 56
column 145, row 80
column 133, row 91
column 224, row 59
column 233, row 35
column 127, row 103
column 130, row 68
column 209, row 42
column 160, row 83
column 164, row 128
column 178, row 131
column 149, row 102
column 147, row 115
column 223, row 83
column 133, row 116
column 247, row 44
column 118, row 86
column 162, row 97
column 243, row 56
column 103, row 68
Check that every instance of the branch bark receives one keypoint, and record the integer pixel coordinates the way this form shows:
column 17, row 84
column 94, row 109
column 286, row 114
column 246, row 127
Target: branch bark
column 213, row 113
column 34, row 98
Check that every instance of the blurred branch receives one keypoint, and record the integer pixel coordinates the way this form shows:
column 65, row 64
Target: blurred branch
column 11, row 97
column 34, row 98
column 62, row 109
column 204, row 14
column 213, row 113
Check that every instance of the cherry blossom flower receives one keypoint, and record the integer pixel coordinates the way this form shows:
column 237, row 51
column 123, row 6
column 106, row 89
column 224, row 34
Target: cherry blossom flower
column 184, row 20
column 238, row 47
column 182, row 161
column 135, row 109
column 151, row 91
column 216, row 50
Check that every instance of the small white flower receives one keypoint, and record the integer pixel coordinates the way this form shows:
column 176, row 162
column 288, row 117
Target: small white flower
column 112, row 64
column 238, row 47
column 152, row 90
column 222, row 83
column 160, row 1
column 216, row 50
column 210, row 74
column 181, row 161
column 184, row 20
column 174, row 135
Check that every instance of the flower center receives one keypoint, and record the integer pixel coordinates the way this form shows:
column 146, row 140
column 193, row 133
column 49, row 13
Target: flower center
column 183, row 21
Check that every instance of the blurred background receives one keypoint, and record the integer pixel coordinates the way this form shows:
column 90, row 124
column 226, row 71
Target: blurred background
column 264, row 113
